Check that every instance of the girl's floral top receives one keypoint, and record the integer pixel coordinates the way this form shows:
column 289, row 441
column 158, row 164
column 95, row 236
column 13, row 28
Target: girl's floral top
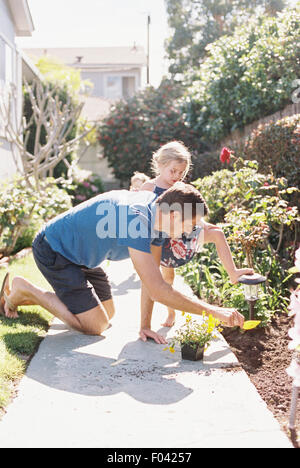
column 177, row 252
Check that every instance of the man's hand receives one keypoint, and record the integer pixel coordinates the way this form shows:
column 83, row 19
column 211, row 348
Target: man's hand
column 229, row 317
column 147, row 333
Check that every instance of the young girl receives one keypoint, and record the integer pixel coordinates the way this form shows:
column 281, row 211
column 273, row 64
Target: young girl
column 171, row 164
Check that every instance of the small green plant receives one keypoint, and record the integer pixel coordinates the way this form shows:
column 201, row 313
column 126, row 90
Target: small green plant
column 196, row 333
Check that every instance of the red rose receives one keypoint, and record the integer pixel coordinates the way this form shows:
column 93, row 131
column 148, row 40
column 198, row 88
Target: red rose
column 225, row 155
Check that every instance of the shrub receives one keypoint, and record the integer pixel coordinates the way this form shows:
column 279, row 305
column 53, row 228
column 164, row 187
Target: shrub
column 85, row 185
column 246, row 76
column 24, row 210
column 136, row 128
column 276, row 147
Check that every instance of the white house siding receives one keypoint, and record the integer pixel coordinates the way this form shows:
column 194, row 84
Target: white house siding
column 10, row 71
column 6, row 23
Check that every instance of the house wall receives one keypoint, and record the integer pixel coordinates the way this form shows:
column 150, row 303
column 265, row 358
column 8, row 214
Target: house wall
column 10, row 71
column 110, row 84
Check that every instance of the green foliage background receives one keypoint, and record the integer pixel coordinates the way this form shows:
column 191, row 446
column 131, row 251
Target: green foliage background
column 195, row 24
column 246, row 76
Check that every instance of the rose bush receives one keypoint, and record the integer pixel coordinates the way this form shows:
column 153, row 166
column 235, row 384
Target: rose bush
column 260, row 224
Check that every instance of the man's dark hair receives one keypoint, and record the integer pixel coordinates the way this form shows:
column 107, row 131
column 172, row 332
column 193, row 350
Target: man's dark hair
column 183, row 196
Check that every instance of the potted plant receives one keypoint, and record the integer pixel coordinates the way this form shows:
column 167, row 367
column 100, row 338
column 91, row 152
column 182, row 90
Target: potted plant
column 194, row 336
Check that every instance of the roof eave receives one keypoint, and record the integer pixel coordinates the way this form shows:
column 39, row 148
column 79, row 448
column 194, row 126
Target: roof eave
column 29, row 70
column 21, row 17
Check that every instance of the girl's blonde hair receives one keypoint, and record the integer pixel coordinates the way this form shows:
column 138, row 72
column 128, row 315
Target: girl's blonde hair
column 172, row 151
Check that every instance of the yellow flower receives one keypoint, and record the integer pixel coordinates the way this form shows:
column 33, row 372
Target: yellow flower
column 211, row 323
column 169, row 348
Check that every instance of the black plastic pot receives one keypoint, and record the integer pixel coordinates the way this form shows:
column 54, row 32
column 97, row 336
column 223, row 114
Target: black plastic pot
column 192, row 354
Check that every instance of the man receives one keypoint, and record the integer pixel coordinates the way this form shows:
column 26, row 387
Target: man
column 114, row 226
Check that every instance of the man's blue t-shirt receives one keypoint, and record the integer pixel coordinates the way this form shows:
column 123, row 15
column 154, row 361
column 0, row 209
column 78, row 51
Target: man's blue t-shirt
column 104, row 227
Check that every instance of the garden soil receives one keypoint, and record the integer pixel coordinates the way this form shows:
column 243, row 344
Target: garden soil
column 264, row 355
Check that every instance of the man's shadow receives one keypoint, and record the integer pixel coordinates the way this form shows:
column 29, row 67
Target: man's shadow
column 133, row 282
column 61, row 364
column 95, row 375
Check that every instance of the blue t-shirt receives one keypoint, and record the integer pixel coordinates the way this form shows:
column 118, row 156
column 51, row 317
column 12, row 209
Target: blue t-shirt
column 104, row 227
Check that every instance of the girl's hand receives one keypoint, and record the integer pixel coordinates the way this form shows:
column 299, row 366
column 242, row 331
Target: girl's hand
column 234, row 277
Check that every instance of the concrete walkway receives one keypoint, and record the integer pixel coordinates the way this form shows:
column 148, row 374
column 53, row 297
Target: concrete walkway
column 116, row 391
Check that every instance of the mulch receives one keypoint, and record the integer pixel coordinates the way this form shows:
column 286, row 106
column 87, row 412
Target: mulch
column 264, row 355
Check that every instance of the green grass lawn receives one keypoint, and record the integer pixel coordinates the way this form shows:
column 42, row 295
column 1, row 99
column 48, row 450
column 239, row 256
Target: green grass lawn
column 20, row 338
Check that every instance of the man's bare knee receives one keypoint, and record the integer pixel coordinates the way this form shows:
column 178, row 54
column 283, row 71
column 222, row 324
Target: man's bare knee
column 94, row 321
column 94, row 330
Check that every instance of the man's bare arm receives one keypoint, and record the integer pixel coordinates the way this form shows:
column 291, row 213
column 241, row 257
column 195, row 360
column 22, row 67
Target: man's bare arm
column 162, row 292
column 147, row 305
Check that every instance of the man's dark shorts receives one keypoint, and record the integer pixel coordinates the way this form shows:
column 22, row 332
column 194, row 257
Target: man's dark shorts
column 78, row 287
